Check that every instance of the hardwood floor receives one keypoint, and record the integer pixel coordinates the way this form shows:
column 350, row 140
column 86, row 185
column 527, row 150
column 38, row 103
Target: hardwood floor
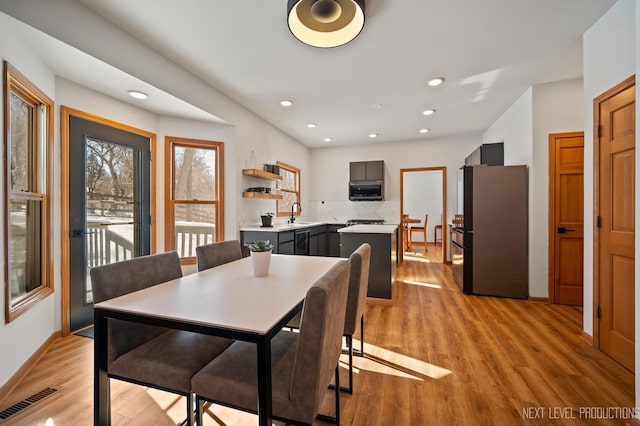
column 434, row 357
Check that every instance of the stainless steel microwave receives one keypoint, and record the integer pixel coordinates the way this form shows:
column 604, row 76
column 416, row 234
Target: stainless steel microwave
column 366, row 191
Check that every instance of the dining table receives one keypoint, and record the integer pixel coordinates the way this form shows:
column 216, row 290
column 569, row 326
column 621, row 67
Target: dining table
column 226, row 301
column 406, row 221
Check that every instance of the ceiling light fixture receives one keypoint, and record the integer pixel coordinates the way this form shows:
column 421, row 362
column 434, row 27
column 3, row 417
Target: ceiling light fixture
column 327, row 139
column 286, row 103
column 424, row 130
column 428, row 111
column 137, row 94
column 436, row 82
column 373, row 135
column 325, row 23
column 312, row 125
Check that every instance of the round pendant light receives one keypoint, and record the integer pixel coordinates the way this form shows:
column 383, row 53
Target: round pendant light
column 325, row 23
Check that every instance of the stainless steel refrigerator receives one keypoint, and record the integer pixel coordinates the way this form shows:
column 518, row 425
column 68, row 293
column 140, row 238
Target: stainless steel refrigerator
column 496, row 212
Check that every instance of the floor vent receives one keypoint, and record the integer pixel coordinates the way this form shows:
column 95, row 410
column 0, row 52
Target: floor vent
column 19, row 407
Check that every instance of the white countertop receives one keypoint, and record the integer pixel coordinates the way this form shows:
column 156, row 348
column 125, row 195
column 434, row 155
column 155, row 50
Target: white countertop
column 369, row 229
column 279, row 227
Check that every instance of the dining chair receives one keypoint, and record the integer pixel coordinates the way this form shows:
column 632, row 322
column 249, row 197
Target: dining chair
column 359, row 262
column 219, row 253
column 145, row 354
column 435, row 232
column 302, row 364
column 422, row 229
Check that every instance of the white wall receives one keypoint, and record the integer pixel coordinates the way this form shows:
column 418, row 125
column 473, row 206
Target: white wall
column 423, row 195
column 611, row 55
column 609, row 58
column 23, row 336
column 329, row 199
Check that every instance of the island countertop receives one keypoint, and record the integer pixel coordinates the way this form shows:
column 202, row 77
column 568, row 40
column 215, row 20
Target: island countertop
column 369, row 229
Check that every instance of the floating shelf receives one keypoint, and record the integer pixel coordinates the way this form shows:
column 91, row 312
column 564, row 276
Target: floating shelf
column 261, row 174
column 261, row 195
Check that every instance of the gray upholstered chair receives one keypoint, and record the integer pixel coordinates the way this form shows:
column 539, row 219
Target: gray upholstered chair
column 144, row 354
column 301, row 363
column 359, row 261
column 214, row 254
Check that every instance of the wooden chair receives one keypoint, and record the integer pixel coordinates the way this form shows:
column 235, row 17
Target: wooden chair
column 144, row 354
column 359, row 261
column 302, row 364
column 219, row 253
column 435, row 232
column 422, row 229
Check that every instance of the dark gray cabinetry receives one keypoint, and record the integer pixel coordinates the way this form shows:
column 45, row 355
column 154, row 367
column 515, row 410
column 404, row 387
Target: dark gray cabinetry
column 366, row 170
column 318, row 241
column 382, row 272
column 488, row 154
column 333, row 239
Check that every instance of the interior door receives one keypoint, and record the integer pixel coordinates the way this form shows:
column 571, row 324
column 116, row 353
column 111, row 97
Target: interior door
column 109, row 216
column 566, row 162
column 616, row 244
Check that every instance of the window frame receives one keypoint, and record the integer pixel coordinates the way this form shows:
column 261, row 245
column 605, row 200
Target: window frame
column 171, row 142
column 296, row 171
column 15, row 83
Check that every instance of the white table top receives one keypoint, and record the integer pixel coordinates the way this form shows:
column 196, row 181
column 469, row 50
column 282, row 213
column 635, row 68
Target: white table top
column 229, row 296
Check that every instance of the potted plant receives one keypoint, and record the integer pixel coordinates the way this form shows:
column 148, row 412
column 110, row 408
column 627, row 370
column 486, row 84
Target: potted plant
column 267, row 218
column 261, row 257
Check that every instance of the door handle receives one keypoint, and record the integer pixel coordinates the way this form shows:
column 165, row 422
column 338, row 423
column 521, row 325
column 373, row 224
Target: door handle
column 81, row 232
column 563, row 230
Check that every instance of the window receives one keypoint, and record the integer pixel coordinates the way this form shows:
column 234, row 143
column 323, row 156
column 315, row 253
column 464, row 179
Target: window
column 289, row 188
column 28, row 137
column 194, row 185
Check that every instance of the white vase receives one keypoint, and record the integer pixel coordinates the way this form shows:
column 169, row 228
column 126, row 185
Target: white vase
column 261, row 261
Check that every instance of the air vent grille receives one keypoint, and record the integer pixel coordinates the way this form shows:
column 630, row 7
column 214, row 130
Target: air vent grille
column 20, row 406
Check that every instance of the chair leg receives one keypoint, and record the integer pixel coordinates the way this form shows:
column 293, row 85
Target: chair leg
column 199, row 410
column 335, row 420
column 190, row 419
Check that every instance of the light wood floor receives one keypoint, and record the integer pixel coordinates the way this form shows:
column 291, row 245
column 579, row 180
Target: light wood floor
column 435, row 357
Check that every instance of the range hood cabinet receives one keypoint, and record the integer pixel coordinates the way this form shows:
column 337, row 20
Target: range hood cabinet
column 366, row 181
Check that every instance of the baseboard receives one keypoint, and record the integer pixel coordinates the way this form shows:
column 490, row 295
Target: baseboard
column 22, row 372
column 588, row 339
column 539, row 299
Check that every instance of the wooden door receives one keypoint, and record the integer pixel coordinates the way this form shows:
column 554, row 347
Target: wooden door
column 616, row 218
column 566, row 218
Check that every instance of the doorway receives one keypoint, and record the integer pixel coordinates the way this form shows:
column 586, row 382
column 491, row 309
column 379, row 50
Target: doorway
column 614, row 231
column 106, row 207
column 423, row 199
column 566, row 218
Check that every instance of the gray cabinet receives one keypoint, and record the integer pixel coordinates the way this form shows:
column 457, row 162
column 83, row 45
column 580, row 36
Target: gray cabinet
column 366, row 170
column 488, row 154
column 284, row 242
column 318, row 241
column 333, row 239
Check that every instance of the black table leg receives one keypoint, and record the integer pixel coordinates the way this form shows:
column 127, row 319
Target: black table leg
column 101, row 387
column 264, row 381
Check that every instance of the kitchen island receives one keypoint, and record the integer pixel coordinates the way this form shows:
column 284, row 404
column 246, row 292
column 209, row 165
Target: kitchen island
column 384, row 255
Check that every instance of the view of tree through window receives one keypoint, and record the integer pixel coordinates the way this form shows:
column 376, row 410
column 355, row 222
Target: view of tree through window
column 195, row 197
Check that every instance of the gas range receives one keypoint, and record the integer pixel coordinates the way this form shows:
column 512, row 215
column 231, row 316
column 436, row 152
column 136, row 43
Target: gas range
column 351, row 222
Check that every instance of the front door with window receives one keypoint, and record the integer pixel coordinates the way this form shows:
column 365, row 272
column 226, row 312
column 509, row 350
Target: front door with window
column 109, row 217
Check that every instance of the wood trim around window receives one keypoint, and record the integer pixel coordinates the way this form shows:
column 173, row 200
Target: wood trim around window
column 65, row 113
column 169, row 222
column 298, row 191
column 14, row 81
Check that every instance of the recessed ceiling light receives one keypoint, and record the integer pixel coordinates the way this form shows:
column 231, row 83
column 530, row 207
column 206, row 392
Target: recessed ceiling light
column 286, row 103
column 312, row 125
column 137, row 94
column 428, row 111
column 436, row 82
column 376, row 106
column 424, row 130
column 373, row 135
column 327, row 139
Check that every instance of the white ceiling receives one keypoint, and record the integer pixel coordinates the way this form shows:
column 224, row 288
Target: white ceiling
column 489, row 52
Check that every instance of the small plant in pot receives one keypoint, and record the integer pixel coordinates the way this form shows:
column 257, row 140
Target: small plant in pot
column 267, row 218
column 261, row 257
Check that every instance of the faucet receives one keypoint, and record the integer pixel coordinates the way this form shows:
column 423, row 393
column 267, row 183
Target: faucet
column 293, row 218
